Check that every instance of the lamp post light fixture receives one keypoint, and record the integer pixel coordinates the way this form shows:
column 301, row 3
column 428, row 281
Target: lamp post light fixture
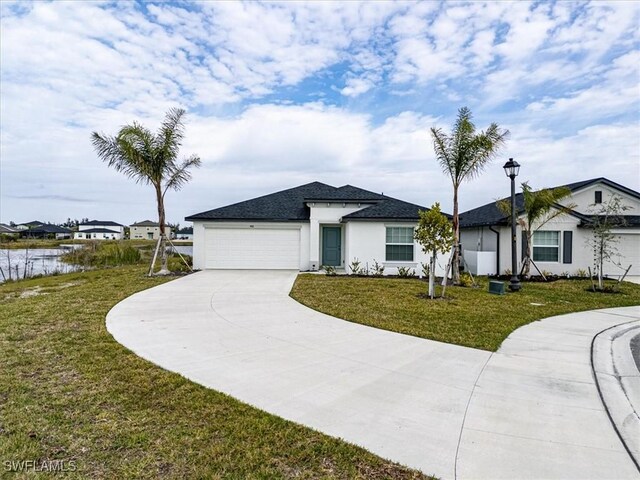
column 512, row 168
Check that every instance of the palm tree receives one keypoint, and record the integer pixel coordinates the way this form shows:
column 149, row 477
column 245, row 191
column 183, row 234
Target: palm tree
column 463, row 155
column 151, row 160
column 539, row 207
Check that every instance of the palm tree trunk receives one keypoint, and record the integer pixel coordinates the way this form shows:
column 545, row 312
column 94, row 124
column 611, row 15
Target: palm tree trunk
column 527, row 258
column 455, row 268
column 161, row 222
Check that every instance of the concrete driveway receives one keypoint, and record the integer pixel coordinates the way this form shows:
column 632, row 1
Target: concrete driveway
column 450, row 411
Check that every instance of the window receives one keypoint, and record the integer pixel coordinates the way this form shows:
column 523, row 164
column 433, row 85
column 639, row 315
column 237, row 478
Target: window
column 546, row 246
column 598, row 196
column 399, row 245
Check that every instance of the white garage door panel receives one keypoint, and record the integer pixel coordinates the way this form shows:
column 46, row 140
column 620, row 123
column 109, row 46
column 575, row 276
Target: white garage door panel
column 628, row 248
column 252, row 248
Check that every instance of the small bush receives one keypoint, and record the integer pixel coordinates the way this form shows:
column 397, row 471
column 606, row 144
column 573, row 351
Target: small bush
column 466, row 280
column 329, row 270
column 355, row 267
column 378, row 270
column 582, row 273
column 426, row 269
column 406, row 272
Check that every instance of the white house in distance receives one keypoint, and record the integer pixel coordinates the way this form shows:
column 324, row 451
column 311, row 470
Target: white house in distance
column 99, row 230
column 560, row 246
column 306, row 227
column 147, row 230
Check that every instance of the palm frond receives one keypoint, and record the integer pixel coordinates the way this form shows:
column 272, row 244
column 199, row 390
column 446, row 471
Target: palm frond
column 181, row 174
column 441, row 147
column 170, row 135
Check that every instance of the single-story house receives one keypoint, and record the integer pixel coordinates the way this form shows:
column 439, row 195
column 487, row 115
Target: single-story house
column 559, row 246
column 147, row 230
column 99, row 230
column 306, row 227
column 185, row 233
column 7, row 230
column 47, row 230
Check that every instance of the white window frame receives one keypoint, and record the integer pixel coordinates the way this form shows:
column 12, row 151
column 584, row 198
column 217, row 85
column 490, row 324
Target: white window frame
column 557, row 246
column 386, row 243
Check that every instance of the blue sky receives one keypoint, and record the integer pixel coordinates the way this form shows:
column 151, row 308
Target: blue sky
column 281, row 94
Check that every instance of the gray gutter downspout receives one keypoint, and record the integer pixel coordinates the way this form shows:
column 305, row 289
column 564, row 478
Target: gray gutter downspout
column 497, row 232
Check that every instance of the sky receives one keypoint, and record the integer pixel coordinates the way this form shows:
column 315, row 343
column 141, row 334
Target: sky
column 280, row 94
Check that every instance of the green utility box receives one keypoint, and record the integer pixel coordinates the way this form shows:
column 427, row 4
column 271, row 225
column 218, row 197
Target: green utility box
column 496, row 287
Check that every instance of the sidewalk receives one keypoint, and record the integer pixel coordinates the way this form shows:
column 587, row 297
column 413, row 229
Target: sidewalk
column 536, row 412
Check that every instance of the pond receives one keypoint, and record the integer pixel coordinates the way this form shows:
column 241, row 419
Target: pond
column 25, row 263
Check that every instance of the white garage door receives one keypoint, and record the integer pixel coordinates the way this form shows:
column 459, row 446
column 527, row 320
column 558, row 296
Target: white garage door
column 628, row 248
column 252, row 248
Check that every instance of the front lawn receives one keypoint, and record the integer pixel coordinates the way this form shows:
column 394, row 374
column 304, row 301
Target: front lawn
column 468, row 316
column 69, row 392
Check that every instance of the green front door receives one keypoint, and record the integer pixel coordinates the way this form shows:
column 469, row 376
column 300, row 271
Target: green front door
column 331, row 246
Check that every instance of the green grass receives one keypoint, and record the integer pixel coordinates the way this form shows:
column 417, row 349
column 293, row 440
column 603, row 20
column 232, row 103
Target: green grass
column 468, row 316
column 68, row 391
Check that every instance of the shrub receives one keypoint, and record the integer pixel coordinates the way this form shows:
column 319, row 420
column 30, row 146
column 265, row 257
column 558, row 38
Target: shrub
column 378, row 270
column 466, row 280
column 355, row 267
column 406, row 272
column 425, row 269
column 329, row 270
column 582, row 273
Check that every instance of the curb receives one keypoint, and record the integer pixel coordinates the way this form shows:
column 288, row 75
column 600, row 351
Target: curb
column 618, row 381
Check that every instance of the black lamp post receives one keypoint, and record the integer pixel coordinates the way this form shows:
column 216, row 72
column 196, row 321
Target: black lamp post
column 511, row 168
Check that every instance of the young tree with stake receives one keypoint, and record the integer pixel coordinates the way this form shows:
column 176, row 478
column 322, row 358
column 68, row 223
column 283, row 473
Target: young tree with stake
column 435, row 234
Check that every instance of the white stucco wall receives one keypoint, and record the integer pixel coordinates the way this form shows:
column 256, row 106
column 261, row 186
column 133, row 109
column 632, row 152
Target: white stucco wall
column 585, row 198
column 97, row 236
column 366, row 241
column 330, row 214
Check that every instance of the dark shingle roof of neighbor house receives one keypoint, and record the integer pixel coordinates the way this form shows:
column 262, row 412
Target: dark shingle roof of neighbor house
column 7, row 229
column 490, row 214
column 34, row 223
column 185, row 231
column 102, row 222
column 290, row 205
column 98, row 230
column 47, row 228
column 145, row 223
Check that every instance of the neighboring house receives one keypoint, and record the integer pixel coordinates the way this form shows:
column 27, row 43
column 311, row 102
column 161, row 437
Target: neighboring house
column 306, row 227
column 28, row 225
column 560, row 246
column 7, row 230
column 185, row 234
column 147, row 230
column 99, row 230
column 47, row 230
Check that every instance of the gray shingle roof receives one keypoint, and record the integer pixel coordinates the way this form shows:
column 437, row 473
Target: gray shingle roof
column 108, row 223
column 145, row 223
column 98, row 230
column 490, row 214
column 47, row 228
column 289, row 205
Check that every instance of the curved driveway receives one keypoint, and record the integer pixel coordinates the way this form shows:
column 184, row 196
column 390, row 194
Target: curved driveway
column 531, row 410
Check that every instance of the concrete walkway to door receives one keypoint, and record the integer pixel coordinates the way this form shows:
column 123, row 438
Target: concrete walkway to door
column 531, row 410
